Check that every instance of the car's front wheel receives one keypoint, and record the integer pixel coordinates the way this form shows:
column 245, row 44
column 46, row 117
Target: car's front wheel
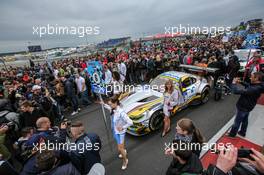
column 205, row 95
column 156, row 121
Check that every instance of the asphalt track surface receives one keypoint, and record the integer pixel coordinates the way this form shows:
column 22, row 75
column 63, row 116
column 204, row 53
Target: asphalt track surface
column 146, row 153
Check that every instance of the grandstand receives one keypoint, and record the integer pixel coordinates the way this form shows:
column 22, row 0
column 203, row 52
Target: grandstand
column 114, row 42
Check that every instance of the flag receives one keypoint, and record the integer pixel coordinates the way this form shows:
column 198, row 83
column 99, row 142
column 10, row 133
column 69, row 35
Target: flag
column 95, row 71
column 252, row 41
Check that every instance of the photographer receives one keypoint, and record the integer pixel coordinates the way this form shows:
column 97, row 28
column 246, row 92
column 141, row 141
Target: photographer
column 230, row 161
column 43, row 98
column 256, row 160
column 44, row 134
column 21, row 150
column 225, row 162
column 6, row 155
column 29, row 114
column 44, row 131
column 246, row 102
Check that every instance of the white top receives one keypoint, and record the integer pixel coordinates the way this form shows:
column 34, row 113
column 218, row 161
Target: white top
column 108, row 76
column 80, row 81
column 119, row 119
column 55, row 73
column 171, row 100
column 122, row 69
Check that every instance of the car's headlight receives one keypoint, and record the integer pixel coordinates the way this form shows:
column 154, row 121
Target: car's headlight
column 137, row 118
column 145, row 123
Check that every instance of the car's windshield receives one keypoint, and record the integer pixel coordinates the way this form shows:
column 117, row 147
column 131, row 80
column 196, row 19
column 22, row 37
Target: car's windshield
column 159, row 83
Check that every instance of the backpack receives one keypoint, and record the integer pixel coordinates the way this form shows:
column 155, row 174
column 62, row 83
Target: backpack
column 46, row 103
column 7, row 117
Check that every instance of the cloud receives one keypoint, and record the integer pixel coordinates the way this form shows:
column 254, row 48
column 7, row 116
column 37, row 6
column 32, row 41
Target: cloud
column 115, row 18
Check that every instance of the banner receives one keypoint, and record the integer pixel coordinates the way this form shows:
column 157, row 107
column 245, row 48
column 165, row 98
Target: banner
column 252, row 41
column 95, row 71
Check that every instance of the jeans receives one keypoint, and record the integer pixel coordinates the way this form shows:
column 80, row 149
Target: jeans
column 143, row 75
column 74, row 102
column 241, row 119
column 131, row 78
column 84, row 98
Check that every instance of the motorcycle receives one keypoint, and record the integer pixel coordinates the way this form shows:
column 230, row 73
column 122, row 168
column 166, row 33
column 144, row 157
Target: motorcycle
column 220, row 88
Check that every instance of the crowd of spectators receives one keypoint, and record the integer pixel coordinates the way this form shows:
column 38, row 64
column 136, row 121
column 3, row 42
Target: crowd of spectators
column 39, row 97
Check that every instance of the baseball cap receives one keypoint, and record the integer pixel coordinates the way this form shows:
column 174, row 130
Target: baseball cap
column 36, row 87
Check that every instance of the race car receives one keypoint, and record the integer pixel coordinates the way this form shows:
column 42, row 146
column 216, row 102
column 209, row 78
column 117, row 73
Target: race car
column 145, row 105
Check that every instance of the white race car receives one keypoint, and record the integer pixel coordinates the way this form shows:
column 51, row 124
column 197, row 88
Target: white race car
column 145, row 105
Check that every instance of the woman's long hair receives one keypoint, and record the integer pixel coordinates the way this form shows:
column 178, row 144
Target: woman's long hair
column 171, row 88
column 116, row 76
column 114, row 99
column 187, row 125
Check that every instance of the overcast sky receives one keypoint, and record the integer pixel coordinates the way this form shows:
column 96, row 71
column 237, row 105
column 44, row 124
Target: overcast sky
column 116, row 18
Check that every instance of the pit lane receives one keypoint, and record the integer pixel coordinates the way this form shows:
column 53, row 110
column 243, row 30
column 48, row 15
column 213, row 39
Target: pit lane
column 146, row 153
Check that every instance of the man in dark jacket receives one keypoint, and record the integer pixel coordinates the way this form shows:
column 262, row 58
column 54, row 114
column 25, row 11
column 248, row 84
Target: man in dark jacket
column 88, row 146
column 43, row 135
column 46, row 133
column 232, row 69
column 246, row 102
column 29, row 115
column 70, row 93
column 220, row 65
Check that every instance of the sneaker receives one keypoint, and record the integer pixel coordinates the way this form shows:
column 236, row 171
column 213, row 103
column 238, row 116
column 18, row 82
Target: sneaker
column 241, row 134
column 231, row 135
column 120, row 155
column 124, row 166
column 74, row 113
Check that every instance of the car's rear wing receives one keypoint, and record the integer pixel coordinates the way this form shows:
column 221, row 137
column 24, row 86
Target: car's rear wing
column 198, row 68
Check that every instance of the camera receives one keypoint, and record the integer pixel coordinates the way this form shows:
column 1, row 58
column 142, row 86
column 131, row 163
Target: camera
column 10, row 125
column 68, row 129
column 244, row 153
column 66, row 121
column 241, row 153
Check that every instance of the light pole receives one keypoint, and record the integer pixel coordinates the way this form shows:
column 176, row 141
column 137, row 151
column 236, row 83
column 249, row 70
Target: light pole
column 86, row 45
column 3, row 61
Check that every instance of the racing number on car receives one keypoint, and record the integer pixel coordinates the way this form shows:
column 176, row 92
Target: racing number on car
column 191, row 91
